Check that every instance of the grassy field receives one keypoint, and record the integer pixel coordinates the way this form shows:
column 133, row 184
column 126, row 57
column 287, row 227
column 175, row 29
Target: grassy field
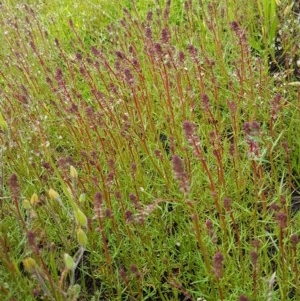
column 149, row 150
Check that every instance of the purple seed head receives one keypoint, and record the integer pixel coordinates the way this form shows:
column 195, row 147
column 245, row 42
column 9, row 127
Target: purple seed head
column 108, row 213
column 31, row 239
column 180, row 174
column 129, row 77
column 120, row 55
column 232, row 107
column 193, row 51
column 234, row 26
column 189, row 129
column 282, row 220
column 14, row 185
column 148, row 33
column 205, row 102
column 181, row 57
column 122, row 273
column 129, row 216
column 98, row 200
column 95, row 51
column 254, row 257
column 165, row 35
column 78, row 56
column 149, row 16
column 295, row 239
column 134, row 269
column 227, row 203
column 243, row 298
column 251, row 128
column 158, row 48
column 218, row 264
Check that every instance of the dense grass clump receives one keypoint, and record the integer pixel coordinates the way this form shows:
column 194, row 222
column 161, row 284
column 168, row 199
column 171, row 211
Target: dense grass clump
column 150, row 152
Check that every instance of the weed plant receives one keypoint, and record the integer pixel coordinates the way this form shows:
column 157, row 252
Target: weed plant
column 149, row 153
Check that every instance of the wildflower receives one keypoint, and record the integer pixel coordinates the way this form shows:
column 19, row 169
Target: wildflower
column 282, row 219
column 227, row 203
column 129, row 77
column 181, row 57
column 188, row 128
column 14, row 185
column 149, row 16
column 205, row 102
column 251, row 128
column 193, row 51
column 129, row 216
column 243, row 298
column 158, row 48
column 98, row 200
column 165, row 35
column 218, row 264
column 180, row 174
column 148, row 33
column 254, row 257
column 295, row 239
column 31, row 238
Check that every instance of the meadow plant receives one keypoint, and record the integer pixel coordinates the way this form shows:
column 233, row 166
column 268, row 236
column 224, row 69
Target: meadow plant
column 151, row 158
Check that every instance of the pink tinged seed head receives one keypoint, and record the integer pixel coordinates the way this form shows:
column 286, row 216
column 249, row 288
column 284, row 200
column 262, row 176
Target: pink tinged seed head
column 218, row 264
column 98, row 200
column 295, row 239
column 180, row 174
column 14, row 185
column 205, row 102
column 243, row 298
column 255, row 243
column 148, row 33
column 227, row 203
column 165, row 35
column 149, row 16
column 254, row 257
column 188, row 128
column 129, row 78
column 282, row 220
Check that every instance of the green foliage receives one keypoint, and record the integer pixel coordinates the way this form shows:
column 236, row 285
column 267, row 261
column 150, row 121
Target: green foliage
column 147, row 153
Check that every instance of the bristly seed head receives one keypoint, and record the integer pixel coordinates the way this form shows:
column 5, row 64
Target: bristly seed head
column 189, row 129
column 14, row 185
column 98, row 200
column 180, row 174
column 227, row 203
column 254, row 257
column 165, row 35
column 149, row 16
column 282, row 220
column 218, row 264
column 295, row 239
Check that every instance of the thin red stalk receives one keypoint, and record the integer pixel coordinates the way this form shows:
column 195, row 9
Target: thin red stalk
column 104, row 240
column 212, row 185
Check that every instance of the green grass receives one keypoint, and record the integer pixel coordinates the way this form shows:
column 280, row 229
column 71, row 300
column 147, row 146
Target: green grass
column 149, row 156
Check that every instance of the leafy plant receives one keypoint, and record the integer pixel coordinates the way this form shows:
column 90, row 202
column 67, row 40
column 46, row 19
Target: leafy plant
column 147, row 154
